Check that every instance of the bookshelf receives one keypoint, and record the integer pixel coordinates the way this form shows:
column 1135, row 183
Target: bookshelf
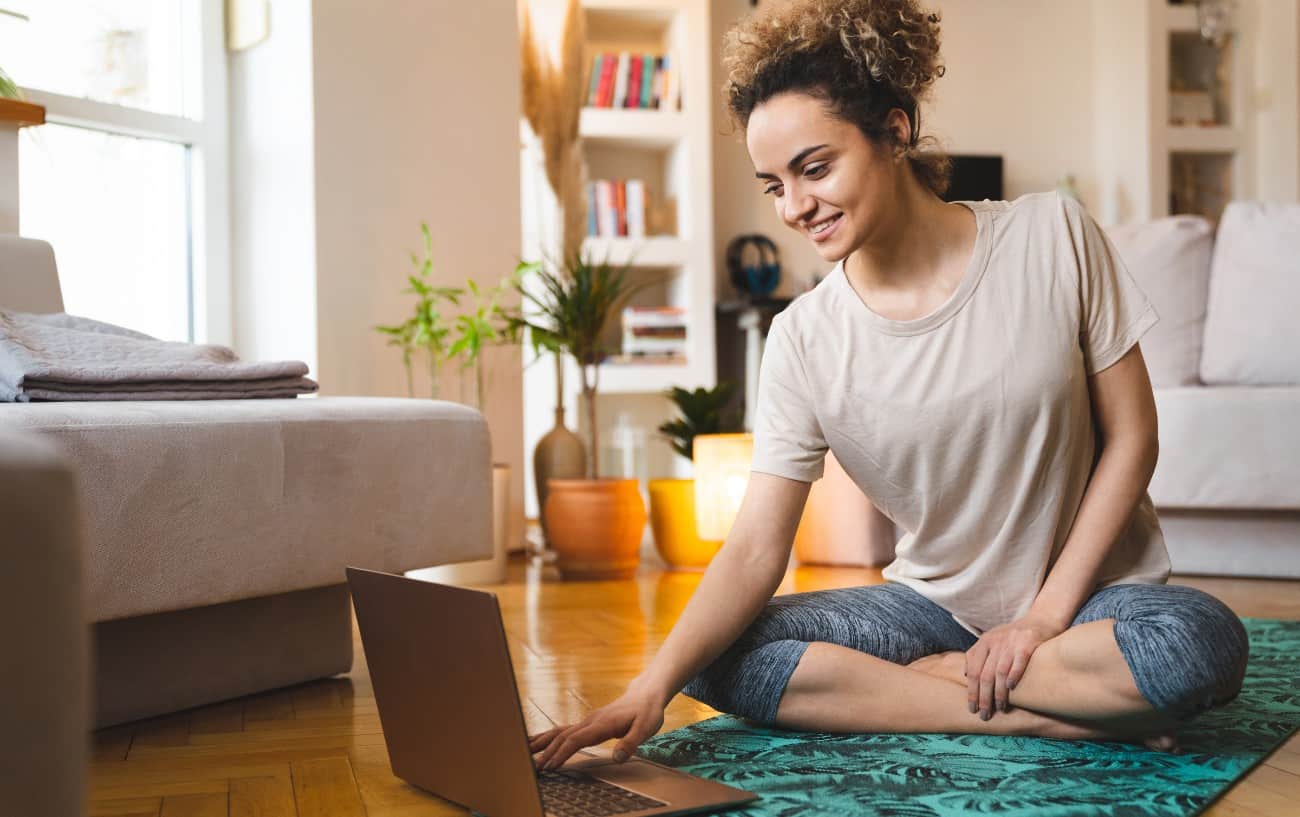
column 1178, row 127
column 670, row 150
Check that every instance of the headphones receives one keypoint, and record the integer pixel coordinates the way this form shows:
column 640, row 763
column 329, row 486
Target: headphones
column 757, row 279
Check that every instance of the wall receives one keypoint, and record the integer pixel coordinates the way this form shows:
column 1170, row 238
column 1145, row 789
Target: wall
column 1018, row 83
column 410, row 113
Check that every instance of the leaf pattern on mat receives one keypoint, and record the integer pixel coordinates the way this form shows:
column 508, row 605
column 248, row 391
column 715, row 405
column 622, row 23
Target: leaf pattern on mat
column 928, row 775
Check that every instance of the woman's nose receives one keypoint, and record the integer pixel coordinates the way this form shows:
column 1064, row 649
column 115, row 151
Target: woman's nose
column 798, row 207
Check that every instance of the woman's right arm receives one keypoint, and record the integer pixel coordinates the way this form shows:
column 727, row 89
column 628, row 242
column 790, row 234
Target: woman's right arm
column 735, row 588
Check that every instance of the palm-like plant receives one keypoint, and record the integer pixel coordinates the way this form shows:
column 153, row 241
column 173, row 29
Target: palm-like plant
column 703, row 412
column 569, row 312
column 487, row 324
column 427, row 329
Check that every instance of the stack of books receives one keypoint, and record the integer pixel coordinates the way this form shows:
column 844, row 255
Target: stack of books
column 654, row 334
column 626, row 80
column 616, row 208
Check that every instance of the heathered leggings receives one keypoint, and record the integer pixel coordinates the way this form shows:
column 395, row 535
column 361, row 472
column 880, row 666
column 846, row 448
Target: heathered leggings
column 1187, row 651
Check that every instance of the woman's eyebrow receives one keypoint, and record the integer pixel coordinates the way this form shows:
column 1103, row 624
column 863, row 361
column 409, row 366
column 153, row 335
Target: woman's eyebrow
column 793, row 163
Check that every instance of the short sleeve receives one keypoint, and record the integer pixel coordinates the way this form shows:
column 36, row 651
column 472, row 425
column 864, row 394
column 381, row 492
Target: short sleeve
column 788, row 440
column 1114, row 312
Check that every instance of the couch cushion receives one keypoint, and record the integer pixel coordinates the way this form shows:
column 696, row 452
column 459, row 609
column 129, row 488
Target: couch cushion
column 1251, row 331
column 1170, row 260
column 194, row 503
column 1228, row 447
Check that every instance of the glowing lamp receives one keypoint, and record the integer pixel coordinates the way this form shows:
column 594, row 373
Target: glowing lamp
column 721, row 475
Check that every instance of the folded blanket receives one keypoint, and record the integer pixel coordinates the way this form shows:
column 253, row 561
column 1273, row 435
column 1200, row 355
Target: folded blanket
column 66, row 357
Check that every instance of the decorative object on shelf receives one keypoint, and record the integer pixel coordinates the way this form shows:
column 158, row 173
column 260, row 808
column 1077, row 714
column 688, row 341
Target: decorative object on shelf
column 427, row 329
column 568, row 315
column 1214, row 18
column 1191, row 108
column 756, row 278
column 840, row 525
column 672, row 501
column 1067, row 186
column 721, row 476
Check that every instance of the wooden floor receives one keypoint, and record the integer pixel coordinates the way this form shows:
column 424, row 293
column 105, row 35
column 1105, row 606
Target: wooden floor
column 317, row 749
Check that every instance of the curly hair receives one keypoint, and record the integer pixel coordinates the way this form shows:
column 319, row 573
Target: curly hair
column 863, row 58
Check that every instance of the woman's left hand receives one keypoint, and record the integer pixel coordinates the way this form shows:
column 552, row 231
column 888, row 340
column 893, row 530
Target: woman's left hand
column 997, row 661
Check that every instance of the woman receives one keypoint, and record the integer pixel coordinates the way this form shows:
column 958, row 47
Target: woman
column 955, row 360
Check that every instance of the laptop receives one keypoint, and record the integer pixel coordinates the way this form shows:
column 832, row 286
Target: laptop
column 451, row 715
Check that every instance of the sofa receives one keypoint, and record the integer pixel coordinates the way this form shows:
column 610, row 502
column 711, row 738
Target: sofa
column 46, row 701
column 1224, row 363
column 217, row 532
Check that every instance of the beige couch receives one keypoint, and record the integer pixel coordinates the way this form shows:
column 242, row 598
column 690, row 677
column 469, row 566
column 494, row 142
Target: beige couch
column 217, row 532
column 45, row 705
column 1225, row 364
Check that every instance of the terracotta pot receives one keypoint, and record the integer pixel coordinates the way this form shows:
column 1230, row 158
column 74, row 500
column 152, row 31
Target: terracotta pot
column 672, row 518
column 840, row 525
column 482, row 571
column 595, row 527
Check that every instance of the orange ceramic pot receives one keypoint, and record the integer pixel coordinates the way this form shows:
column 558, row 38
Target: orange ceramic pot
column 595, row 527
column 672, row 518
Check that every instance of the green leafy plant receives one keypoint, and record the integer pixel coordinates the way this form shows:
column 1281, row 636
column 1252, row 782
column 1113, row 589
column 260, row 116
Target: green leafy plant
column 9, row 88
column 487, row 323
column 703, row 412
column 570, row 307
column 427, row 330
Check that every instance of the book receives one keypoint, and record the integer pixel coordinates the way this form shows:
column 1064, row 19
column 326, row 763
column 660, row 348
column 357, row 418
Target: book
column 605, row 93
column 633, row 82
column 593, row 225
column 635, row 208
column 620, row 207
column 647, row 80
column 605, row 205
column 620, row 81
column 658, row 82
column 594, row 89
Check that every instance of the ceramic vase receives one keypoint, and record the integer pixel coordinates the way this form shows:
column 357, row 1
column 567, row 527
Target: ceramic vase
column 595, row 527
column 560, row 454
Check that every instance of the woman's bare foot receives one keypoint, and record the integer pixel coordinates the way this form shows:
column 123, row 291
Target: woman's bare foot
column 951, row 666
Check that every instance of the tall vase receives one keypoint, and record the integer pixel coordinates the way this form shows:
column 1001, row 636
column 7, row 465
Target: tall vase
column 560, row 454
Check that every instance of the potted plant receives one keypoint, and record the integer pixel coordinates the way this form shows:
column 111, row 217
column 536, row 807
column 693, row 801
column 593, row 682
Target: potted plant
column 593, row 524
column 672, row 501
column 442, row 339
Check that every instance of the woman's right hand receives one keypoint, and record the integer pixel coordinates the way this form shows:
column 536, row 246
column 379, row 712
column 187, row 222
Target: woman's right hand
column 636, row 715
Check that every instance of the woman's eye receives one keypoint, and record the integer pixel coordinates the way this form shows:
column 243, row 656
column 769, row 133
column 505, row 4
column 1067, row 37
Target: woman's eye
column 772, row 189
column 816, row 172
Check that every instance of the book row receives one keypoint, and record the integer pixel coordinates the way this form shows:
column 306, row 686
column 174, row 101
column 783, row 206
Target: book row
column 616, row 208
column 625, row 80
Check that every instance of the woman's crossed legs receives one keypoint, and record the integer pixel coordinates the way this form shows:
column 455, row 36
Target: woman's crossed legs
column 1137, row 660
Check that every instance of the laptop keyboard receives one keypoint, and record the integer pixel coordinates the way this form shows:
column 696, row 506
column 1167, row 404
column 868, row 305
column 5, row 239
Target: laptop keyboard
column 576, row 794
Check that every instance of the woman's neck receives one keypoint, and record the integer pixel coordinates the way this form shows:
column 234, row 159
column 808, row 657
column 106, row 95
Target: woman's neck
column 925, row 239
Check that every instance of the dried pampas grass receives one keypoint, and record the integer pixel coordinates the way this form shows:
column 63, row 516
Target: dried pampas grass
column 553, row 95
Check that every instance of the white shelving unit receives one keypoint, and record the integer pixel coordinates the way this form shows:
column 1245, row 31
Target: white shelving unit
column 671, row 150
column 1150, row 166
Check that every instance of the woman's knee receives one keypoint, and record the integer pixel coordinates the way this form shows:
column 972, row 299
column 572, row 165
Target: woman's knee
column 749, row 682
column 1187, row 650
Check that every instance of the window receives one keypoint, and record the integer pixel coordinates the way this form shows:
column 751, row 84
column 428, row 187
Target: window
column 128, row 179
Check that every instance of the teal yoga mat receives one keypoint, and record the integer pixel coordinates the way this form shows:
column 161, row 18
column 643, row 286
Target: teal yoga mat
column 931, row 775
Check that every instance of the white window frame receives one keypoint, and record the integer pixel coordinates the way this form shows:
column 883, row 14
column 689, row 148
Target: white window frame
column 209, row 143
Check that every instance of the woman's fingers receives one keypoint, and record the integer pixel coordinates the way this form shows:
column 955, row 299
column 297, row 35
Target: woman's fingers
column 540, row 741
column 1000, row 681
column 975, row 659
column 1017, row 670
column 564, row 747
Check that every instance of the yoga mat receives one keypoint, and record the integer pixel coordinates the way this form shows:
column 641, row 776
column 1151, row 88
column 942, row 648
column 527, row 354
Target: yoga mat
column 934, row 775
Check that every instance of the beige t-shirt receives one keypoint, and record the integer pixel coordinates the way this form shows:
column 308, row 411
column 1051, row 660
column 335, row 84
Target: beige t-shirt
column 970, row 427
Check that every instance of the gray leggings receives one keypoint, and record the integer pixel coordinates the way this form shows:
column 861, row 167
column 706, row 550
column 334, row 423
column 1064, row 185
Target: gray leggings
column 1187, row 651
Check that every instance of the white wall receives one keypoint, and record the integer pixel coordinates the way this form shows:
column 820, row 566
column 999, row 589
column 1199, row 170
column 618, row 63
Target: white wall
column 1018, row 83
column 357, row 122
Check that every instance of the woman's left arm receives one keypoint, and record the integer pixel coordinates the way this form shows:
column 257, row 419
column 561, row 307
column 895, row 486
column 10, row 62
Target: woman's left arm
column 1124, row 406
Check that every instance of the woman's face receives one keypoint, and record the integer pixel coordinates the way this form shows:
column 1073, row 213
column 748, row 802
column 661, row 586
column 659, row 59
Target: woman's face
column 827, row 180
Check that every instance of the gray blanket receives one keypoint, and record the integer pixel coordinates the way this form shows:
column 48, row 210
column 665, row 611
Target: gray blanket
column 65, row 357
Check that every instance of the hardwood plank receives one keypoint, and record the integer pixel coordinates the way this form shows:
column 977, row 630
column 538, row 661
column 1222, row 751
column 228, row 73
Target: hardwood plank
column 325, row 787
column 156, row 788
column 317, row 698
column 134, row 807
column 262, row 797
column 1246, row 792
column 169, row 730
column 112, row 743
column 217, row 719
column 1285, row 760
column 276, row 705
column 384, row 793
column 195, row 805
column 1278, row 781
